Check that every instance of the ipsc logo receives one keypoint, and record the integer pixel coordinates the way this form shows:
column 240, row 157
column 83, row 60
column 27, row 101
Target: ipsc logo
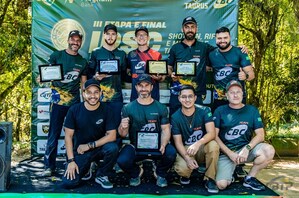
column 223, row 73
column 236, row 132
column 221, row 3
column 140, row 65
column 61, row 30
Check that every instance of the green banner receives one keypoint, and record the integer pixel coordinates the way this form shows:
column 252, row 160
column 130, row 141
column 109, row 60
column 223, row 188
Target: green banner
column 54, row 19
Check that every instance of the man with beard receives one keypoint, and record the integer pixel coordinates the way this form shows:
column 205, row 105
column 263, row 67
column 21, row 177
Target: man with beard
column 228, row 63
column 64, row 93
column 189, row 49
column 110, row 84
column 193, row 132
column 137, row 60
column 145, row 116
column 90, row 134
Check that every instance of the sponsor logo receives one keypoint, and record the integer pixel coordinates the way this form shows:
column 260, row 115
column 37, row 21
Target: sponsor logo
column 140, row 65
column 196, row 5
column 223, row 73
column 149, row 127
column 41, row 146
column 43, row 112
column 197, row 135
column 70, row 76
column 221, row 3
column 43, row 128
column 61, row 30
column 236, row 132
column 99, row 121
column 44, row 94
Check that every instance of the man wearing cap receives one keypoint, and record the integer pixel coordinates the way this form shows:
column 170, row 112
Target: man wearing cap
column 90, row 134
column 64, row 93
column 111, row 85
column 137, row 60
column 228, row 63
column 189, row 49
column 145, row 115
column 240, row 135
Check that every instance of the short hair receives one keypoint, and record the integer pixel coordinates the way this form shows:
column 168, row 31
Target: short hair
column 184, row 87
column 222, row 30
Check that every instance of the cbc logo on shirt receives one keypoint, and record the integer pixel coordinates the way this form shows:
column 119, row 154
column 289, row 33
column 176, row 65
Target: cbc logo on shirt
column 236, row 132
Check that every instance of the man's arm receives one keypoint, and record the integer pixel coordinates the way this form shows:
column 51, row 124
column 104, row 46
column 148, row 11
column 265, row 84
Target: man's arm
column 72, row 167
column 246, row 73
column 165, row 136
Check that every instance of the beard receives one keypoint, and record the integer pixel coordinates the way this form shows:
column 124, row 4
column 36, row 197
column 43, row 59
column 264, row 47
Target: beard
column 223, row 47
column 74, row 47
column 144, row 94
column 110, row 42
column 189, row 36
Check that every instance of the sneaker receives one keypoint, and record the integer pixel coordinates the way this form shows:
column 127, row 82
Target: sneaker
column 88, row 175
column 104, row 182
column 161, row 182
column 253, row 183
column 48, row 172
column 211, row 186
column 136, row 181
column 117, row 169
column 184, row 180
column 240, row 172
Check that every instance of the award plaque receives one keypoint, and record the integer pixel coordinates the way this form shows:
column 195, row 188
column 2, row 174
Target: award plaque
column 50, row 72
column 187, row 68
column 148, row 143
column 110, row 66
column 156, row 67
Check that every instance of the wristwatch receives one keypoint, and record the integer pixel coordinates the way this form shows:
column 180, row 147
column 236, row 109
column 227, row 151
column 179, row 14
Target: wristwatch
column 248, row 147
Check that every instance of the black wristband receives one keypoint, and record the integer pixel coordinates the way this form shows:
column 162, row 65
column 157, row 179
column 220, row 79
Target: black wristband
column 70, row 160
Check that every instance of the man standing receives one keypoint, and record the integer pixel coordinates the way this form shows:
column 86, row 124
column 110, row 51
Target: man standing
column 240, row 135
column 189, row 49
column 145, row 115
column 228, row 63
column 90, row 134
column 137, row 60
column 193, row 132
column 111, row 85
column 64, row 93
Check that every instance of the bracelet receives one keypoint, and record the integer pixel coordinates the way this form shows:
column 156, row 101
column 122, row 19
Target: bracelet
column 91, row 145
column 70, row 160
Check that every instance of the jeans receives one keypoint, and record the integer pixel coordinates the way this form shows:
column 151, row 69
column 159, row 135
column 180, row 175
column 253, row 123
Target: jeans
column 108, row 152
column 127, row 160
column 57, row 115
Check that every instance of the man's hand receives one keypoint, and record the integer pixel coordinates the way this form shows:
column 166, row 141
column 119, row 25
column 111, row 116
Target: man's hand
column 156, row 77
column 98, row 76
column 191, row 163
column 193, row 149
column 72, row 169
column 244, row 49
column 162, row 148
column 82, row 148
column 242, row 74
column 243, row 155
column 174, row 77
column 124, row 124
column 234, row 157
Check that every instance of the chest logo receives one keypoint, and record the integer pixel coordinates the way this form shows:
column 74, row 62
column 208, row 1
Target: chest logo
column 223, row 73
column 236, row 132
column 197, row 135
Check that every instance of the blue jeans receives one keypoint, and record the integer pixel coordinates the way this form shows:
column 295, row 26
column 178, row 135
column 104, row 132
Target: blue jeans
column 108, row 152
column 127, row 160
column 57, row 115
column 174, row 103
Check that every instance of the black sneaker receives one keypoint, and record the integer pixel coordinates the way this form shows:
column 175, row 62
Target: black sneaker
column 239, row 171
column 211, row 186
column 184, row 180
column 253, row 183
column 104, row 182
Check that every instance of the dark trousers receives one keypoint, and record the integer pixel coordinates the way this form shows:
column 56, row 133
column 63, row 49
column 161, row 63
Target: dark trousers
column 127, row 160
column 108, row 152
column 174, row 103
column 57, row 115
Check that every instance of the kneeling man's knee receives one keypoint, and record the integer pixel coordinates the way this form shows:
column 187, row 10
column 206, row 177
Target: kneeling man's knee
column 222, row 184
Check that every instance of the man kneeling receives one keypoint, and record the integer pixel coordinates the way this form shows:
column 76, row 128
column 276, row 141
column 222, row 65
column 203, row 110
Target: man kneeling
column 235, row 124
column 91, row 125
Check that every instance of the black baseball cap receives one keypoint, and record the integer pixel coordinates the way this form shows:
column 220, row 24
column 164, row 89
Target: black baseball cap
column 141, row 28
column 75, row 33
column 144, row 78
column 110, row 27
column 233, row 83
column 91, row 82
column 189, row 19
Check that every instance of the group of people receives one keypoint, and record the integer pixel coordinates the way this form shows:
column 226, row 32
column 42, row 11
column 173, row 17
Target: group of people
column 228, row 135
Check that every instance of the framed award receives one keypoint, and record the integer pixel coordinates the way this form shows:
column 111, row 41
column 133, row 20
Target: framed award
column 51, row 72
column 185, row 68
column 109, row 66
column 158, row 67
column 148, row 143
